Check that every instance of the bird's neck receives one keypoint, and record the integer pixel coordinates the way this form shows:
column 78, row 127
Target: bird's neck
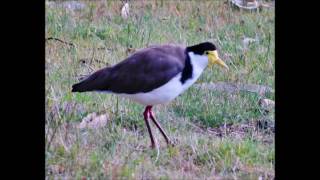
column 198, row 62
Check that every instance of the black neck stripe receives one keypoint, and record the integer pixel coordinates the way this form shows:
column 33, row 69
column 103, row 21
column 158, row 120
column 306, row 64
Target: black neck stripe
column 187, row 70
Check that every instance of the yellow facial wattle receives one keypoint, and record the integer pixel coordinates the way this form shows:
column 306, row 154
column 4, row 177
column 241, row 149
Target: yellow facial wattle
column 213, row 58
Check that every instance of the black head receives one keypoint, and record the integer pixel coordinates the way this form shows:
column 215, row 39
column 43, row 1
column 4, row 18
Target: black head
column 201, row 48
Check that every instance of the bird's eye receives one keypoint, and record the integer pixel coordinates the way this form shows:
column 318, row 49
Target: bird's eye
column 207, row 52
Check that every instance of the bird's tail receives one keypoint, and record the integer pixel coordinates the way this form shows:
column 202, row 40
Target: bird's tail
column 94, row 82
column 85, row 85
column 78, row 87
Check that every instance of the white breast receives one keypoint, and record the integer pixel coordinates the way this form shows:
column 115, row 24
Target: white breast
column 174, row 87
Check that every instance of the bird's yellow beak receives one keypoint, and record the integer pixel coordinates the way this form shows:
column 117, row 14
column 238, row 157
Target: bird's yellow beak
column 214, row 59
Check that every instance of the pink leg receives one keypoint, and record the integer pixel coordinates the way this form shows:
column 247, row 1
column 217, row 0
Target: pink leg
column 146, row 117
column 159, row 127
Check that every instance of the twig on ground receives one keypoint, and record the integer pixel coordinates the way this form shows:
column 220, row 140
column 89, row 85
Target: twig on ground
column 59, row 40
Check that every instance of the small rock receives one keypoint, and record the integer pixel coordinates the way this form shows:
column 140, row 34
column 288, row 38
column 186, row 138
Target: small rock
column 93, row 121
column 247, row 41
column 267, row 104
column 246, row 4
column 125, row 11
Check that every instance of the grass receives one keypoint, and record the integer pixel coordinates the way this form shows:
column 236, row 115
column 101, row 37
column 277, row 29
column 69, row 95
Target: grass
column 217, row 133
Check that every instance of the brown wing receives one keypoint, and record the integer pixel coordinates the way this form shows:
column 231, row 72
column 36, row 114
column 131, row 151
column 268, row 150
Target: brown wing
column 143, row 71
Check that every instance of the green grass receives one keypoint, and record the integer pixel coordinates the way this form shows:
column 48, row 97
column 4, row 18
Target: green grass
column 120, row 150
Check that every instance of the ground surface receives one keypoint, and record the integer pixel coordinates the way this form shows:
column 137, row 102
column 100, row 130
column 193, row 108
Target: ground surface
column 219, row 134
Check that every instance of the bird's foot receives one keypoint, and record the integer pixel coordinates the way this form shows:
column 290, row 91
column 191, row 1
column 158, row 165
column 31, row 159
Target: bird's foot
column 153, row 146
column 173, row 142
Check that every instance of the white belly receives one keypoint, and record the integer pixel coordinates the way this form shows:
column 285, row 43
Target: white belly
column 165, row 93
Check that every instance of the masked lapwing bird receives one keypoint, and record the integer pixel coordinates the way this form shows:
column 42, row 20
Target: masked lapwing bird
column 154, row 75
